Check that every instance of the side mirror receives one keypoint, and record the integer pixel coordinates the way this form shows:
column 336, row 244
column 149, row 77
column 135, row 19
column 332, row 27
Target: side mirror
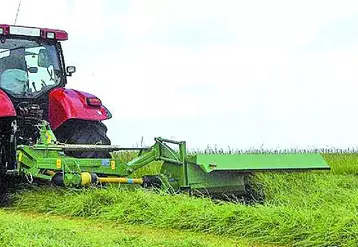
column 43, row 59
column 70, row 70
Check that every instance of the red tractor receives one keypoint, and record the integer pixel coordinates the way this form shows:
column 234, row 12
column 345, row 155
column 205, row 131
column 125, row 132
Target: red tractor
column 33, row 76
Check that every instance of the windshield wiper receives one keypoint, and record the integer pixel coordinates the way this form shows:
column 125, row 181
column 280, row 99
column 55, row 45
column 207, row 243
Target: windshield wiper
column 16, row 48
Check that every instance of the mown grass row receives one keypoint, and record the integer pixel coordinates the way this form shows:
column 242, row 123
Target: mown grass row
column 301, row 209
column 27, row 230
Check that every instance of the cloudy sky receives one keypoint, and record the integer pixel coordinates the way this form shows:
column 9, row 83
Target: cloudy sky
column 227, row 73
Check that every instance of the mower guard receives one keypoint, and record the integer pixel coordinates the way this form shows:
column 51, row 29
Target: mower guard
column 260, row 162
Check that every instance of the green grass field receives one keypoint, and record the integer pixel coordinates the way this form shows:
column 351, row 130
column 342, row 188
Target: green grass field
column 32, row 229
column 318, row 208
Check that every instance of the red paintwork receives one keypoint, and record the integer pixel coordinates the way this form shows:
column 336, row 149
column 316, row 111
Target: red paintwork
column 6, row 107
column 59, row 34
column 6, row 28
column 65, row 104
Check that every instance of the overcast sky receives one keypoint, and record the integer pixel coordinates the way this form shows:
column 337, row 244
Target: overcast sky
column 227, row 73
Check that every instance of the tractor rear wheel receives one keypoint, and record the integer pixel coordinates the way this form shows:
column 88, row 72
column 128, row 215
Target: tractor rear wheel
column 84, row 132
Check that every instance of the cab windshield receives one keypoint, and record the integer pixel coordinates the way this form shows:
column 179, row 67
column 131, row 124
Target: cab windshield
column 28, row 67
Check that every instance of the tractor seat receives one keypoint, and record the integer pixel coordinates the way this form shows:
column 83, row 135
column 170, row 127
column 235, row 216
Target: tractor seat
column 14, row 81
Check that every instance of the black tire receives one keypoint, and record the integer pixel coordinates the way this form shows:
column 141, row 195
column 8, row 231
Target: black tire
column 84, row 132
column 7, row 145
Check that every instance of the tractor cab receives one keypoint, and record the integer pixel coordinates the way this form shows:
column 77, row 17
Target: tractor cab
column 31, row 61
column 31, row 67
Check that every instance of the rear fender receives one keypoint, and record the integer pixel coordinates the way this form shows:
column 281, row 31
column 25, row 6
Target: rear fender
column 6, row 107
column 65, row 104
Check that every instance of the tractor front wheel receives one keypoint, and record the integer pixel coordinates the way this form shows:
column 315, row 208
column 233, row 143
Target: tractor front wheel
column 84, row 132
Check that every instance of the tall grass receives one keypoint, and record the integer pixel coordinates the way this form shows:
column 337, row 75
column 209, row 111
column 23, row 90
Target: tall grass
column 318, row 208
column 343, row 163
column 278, row 222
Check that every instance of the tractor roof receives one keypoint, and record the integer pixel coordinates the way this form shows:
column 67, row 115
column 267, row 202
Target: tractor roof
column 46, row 33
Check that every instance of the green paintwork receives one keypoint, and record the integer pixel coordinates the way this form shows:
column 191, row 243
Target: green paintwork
column 197, row 179
column 255, row 162
column 37, row 160
column 201, row 173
